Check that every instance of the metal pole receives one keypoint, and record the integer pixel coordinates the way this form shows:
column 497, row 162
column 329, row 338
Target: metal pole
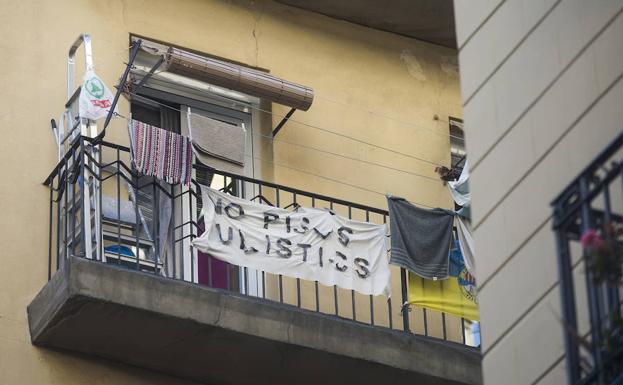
column 133, row 53
column 405, row 299
column 593, row 297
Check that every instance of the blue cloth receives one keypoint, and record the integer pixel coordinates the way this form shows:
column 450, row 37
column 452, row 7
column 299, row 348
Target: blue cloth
column 119, row 249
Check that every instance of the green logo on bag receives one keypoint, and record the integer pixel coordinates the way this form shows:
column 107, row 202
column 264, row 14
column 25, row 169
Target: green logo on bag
column 95, row 87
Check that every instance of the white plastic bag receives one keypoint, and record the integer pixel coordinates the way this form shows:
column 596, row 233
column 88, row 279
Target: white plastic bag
column 95, row 98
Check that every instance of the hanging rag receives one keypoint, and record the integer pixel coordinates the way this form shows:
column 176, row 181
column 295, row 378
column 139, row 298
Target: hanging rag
column 420, row 238
column 466, row 243
column 213, row 138
column 460, row 188
column 160, row 153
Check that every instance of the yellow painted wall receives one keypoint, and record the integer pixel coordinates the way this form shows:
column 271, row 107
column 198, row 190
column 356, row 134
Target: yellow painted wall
column 375, row 86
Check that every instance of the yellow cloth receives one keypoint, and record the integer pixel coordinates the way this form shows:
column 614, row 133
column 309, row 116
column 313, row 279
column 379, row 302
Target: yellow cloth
column 455, row 295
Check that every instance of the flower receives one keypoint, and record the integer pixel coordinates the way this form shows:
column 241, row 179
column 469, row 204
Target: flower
column 591, row 239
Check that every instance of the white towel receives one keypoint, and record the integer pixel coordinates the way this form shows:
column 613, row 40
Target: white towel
column 460, row 188
column 466, row 243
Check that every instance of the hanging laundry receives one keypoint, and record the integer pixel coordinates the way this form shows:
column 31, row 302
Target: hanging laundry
column 456, row 295
column 420, row 238
column 160, row 153
column 460, row 188
column 213, row 138
column 466, row 243
column 465, row 212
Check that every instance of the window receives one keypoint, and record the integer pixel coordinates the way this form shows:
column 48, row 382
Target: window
column 457, row 143
column 192, row 108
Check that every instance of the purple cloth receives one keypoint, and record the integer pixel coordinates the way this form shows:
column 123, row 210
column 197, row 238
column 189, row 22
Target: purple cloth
column 210, row 266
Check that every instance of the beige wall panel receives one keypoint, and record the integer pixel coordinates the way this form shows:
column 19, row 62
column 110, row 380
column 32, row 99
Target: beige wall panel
column 557, row 376
column 536, row 343
column 470, row 14
column 515, row 361
column 560, row 107
column 497, row 38
column 520, row 214
column 530, row 276
column 542, row 56
column 541, row 331
column 521, row 281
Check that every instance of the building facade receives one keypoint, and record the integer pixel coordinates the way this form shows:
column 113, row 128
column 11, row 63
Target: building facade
column 540, row 83
column 378, row 124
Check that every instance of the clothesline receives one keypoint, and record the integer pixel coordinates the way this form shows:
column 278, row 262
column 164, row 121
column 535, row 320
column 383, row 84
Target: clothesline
column 394, row 119
column 311, row 173
column 272, row 139
column 291, row 120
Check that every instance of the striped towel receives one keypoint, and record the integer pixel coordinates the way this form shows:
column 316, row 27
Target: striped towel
column 160, row 153
column 421, row 239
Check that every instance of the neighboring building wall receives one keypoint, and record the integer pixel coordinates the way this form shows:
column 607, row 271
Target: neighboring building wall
column 371, row 85
column 542, row 96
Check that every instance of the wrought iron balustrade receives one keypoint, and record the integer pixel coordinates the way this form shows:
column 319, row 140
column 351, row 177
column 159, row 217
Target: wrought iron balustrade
column 588, row 224
column 103, row 210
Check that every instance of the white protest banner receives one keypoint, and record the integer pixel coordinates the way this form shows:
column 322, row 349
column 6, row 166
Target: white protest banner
column 311, row 244
column 95, row 98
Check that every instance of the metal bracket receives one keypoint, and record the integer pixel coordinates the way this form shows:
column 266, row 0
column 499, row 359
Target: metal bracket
column 283, row 121
column 150, row 73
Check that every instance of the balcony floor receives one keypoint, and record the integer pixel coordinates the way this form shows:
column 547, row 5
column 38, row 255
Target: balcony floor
column 219, row 337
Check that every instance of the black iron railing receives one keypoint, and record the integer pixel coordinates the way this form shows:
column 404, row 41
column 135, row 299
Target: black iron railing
column 101, row 209
column 588, row 212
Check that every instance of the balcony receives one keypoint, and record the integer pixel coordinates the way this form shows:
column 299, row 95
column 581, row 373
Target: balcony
column 125, row 287
column 588, row 222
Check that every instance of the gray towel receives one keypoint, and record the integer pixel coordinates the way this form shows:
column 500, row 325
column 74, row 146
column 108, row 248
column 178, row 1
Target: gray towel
column 217, row 139
column 421, row 239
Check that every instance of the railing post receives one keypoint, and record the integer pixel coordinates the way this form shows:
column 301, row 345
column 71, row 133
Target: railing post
column 137, row 221
column 277, row 203
column 593, row 296
column 60, row 224
column 156, row 225
column 85, row 203
column 567, row 297
column 50, row 233
column 405, row 300
column 612, row 291
column 371, row 296
column 65, row 214
column 173, row 273
column 119, row 207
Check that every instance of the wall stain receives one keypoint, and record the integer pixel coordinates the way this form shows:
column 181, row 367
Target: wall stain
column 450, row 66
column 413, row 65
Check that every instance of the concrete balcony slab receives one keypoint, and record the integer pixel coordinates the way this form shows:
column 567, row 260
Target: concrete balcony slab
column 218, row 337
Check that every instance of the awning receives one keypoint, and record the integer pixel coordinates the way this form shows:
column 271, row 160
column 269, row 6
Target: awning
column 233, row 76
